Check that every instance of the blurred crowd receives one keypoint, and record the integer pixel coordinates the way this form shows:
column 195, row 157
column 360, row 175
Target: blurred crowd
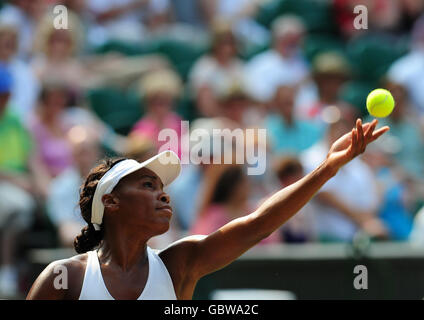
column 124, row 70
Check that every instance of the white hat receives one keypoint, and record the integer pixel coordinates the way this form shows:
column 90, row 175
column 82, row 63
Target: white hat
column 166, row 165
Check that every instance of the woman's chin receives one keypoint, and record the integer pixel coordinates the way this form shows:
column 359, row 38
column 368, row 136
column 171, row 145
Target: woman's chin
column 164, row 227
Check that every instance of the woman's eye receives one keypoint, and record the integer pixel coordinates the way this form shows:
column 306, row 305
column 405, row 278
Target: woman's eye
column 148, row 184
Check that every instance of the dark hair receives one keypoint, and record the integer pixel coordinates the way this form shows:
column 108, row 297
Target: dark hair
column 288, row 166
column 89, row 238
column 226, row 183
column 53, row 85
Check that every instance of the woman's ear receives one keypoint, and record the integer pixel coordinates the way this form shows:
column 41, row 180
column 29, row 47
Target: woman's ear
column 110, row 202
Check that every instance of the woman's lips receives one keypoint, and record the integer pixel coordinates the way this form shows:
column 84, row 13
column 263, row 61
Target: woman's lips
column 165, row 208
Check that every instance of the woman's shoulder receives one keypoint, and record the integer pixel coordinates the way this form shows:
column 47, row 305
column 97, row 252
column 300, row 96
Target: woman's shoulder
column 60, row 280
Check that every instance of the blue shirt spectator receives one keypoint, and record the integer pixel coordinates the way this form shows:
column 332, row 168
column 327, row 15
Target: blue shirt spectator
column 286, row 133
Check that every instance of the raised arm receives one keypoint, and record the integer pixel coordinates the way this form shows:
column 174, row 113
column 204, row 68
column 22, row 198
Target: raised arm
column 213, row 252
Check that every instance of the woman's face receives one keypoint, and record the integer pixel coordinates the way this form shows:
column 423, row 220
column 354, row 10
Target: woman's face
column 142, row 203
column 289, row 44
column 284, row 101
column 55, row 102
column 8, row 45
column 60, row 44
column 329, row 85
column 160, row 104
column 226, row 47
column 235, row 109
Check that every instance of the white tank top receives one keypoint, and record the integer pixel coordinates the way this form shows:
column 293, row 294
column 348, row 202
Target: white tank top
column 158, row 286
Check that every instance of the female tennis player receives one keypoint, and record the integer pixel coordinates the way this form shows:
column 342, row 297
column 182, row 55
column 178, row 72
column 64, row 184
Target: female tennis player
column 124, row 205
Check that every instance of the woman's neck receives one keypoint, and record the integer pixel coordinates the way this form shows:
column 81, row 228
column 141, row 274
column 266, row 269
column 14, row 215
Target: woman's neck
column 48, row 119
column 224, row 61
column 52, row 123
column 123, row 250
column 159, row 119
column 58, row 58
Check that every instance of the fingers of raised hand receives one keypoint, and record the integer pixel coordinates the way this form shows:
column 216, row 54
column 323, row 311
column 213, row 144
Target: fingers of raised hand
column 354, row 143
column 364, row 134
column 361, row 138
column 379, row 133
column 370, row 129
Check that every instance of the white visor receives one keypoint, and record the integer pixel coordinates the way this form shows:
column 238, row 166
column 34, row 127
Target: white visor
column 166, row 165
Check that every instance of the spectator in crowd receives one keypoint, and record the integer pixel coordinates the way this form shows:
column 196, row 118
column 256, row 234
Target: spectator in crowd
column 62, row 201
column 79, row 7
column 25, row 86
column 411, row 11
column 160, row 90
column 186, row 191
column 233, row 104
column 21, row 182
column 49, row 130
column 225, row 198
column 349, row 201
column 125, row 20
column 330, row 71
column 56, row 53
column 285, row 60
column 288, row 134
column 24, row 16
column 395, row 189
column 301, row 227
column 408, row 70
column 219, row 68
column 242, row 14
column 76, row 116
column 191, row 12
column 139, row 147
column 405, row 135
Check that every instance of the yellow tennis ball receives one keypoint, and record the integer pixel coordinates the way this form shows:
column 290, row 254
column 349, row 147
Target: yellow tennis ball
column 380, row 103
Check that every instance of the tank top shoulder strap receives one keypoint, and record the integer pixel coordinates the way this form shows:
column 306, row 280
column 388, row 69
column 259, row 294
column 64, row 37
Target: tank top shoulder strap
column 159, row 284
column 93, row 287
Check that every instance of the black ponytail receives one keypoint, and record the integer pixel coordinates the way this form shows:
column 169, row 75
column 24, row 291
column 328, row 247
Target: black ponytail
column 90, row 238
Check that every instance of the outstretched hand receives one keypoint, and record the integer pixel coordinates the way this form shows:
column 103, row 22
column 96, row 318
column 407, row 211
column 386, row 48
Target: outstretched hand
column 354, row 143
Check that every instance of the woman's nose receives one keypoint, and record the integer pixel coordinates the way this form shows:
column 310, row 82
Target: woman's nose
column 164, row 197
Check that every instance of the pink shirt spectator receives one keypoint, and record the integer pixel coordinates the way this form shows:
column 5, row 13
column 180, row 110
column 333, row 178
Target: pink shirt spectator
column 149, row 128
column 55, row 151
